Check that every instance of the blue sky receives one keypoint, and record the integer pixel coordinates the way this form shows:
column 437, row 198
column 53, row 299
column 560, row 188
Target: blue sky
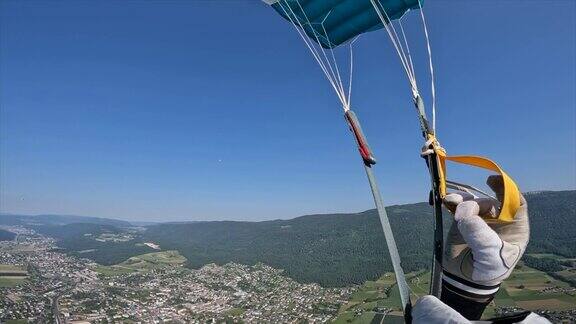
column 210, row 110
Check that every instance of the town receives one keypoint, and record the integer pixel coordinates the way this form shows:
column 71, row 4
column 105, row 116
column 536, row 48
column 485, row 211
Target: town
column 66, row 289
column 42, row 283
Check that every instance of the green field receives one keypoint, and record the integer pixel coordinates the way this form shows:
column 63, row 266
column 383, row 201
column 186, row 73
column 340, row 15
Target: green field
column 532, row 289
column 21, row 248
column 11, row 281
column 12, row 268
column 235, row 312
column 16, row 321
column 143, row 263
column 526, row 288
column 375, row 297
column 12, row 275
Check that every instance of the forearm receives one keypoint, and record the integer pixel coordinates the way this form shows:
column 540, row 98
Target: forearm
column 467, row 298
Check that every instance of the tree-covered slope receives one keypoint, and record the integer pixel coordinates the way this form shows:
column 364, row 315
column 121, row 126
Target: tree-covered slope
column 6, row 235
column 348, row 248
column 105, row 244
column 329, row 249
column 552, row 222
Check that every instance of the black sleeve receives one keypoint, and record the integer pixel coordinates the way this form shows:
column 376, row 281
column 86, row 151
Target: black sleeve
column 468, row 298
column 510, row 319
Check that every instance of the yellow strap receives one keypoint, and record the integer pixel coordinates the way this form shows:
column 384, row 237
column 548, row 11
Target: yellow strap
column 511, row 200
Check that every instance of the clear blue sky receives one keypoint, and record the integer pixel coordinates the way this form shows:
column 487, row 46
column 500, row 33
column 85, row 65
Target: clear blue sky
column 209, row 110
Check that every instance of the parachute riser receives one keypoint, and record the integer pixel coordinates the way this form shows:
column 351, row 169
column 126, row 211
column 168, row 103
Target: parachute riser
column 369, row 160
column 424, row 124
column 434, row 200
column 392, row 248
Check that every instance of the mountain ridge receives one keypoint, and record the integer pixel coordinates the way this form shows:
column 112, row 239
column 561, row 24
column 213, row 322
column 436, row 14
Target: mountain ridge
column 56, row 219
column 330, row 249
column 104, row 220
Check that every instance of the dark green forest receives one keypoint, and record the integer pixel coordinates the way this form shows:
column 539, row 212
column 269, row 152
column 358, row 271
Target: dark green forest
column 553, row 222
column 329, row 249
column 543, row 264
column 341, row 249
column 6, row 236
column 79, row 239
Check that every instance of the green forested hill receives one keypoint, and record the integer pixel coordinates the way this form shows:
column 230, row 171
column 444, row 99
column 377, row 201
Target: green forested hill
column 333, row 250
column 329, row 249
column 552, row 222
column 105, row 244
column 75, row 229
column 349, row 248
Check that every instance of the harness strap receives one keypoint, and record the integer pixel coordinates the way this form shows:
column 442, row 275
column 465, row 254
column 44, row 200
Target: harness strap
column 511, row 196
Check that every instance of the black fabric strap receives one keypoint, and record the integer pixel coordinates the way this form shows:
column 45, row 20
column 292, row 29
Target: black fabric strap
column 468, row 304
column 514, row 318
column 469, row 283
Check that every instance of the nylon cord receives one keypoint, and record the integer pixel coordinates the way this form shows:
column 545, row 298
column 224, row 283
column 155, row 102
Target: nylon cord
column 331, row 73
column 333, row 58
column 407, row 60
column 381, row 13
column 408, row 50
column 313, row 51
column 335, row 72
column 351, row 71
column 432, row 86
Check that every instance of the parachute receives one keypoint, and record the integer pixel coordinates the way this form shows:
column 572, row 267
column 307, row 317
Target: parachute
column 335, row 22
column 324, row 25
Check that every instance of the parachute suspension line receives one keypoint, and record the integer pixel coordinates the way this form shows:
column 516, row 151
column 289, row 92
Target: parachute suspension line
column 432, row 86
column 351, row 71
column 407, row 50
column 406, row 57
column 313, row 51
column 333, row 56
column 381, row 12
column 335, row 76
column 329, row 67
column 334, row 59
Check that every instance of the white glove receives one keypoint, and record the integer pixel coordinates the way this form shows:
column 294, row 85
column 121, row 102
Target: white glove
column 430, row 310
column 478, row 256
column 479, row 252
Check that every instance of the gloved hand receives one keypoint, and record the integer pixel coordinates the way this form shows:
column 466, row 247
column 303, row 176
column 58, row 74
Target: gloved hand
column 430, row 310
column 478, row 256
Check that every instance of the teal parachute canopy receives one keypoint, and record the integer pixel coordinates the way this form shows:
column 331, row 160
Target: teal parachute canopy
column 333, row 22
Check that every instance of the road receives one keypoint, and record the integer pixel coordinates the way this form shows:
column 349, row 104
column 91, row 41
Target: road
column 56, row 311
